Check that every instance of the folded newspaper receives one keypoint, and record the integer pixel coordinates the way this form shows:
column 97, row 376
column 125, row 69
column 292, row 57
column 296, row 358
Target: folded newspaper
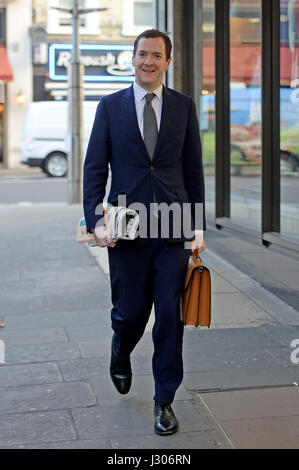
column 120, row 224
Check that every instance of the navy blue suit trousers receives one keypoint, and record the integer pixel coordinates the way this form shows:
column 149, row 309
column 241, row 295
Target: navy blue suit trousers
column 140, row 278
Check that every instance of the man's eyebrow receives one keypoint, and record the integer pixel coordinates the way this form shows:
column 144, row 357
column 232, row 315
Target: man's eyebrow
column 156, row 52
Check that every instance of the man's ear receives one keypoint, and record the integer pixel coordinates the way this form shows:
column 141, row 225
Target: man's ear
column 168, row 63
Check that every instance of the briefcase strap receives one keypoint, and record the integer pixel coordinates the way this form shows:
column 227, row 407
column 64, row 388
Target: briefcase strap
column 195, row 255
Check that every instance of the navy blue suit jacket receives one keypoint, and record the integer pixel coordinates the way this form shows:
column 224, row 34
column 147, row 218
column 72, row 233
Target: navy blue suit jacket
column 175, row 172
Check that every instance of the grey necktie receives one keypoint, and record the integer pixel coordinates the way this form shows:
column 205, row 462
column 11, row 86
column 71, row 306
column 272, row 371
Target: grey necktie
column 150, row 128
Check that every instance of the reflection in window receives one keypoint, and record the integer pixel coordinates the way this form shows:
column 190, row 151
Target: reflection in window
column 289, row 117
column 245, row 111
column 207, row 102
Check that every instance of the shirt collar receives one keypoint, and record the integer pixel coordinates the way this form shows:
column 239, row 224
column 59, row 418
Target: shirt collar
column 140, row 92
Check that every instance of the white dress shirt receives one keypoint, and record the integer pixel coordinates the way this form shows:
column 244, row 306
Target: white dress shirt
column 139, row 96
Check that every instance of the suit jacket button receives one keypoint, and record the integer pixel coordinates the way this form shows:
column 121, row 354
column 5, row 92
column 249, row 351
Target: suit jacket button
column 152, row 167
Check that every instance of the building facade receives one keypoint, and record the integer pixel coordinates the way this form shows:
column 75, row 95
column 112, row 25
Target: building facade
column 15, row 75
column 106, row 45
column 35, row 39
column 239, row 59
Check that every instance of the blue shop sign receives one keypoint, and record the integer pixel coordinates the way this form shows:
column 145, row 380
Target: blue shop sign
column 102, row 63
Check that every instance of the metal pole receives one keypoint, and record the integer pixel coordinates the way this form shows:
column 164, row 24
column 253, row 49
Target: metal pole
column 75, row 169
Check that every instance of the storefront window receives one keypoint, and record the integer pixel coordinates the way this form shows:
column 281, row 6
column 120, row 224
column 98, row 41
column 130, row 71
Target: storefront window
column 138, row 15
column 2, row 23
column 207, row 101
column 289, row 117
column 1, row 131
column 245, row 111
column 144, row 12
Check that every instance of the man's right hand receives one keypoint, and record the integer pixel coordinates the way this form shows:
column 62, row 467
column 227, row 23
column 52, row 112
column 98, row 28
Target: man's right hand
column 102, row 238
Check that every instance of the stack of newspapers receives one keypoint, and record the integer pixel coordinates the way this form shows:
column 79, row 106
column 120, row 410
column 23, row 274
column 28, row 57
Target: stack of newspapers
column 120, row 224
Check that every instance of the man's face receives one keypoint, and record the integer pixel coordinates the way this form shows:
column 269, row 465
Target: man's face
column 150, row 62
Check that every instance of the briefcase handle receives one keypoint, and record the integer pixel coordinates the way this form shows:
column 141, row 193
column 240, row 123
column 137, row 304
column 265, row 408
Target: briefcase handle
column 196, row 255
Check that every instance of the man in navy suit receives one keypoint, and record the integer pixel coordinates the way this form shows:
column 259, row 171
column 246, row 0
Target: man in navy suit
column 149, row 136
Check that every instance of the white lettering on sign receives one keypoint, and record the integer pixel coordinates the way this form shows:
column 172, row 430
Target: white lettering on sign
column 64, row 59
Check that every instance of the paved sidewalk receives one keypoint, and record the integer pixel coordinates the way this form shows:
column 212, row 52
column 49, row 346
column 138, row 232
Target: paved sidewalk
column 55, row 390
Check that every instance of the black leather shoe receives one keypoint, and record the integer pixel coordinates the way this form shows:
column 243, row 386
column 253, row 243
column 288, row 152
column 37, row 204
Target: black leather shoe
column 120, row 372
column 165, row 420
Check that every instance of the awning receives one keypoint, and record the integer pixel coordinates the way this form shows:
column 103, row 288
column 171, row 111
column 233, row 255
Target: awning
column 5, row 68
column 245, row 64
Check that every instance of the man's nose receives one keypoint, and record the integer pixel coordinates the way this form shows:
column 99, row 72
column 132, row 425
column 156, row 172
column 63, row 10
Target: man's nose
column 148, row 60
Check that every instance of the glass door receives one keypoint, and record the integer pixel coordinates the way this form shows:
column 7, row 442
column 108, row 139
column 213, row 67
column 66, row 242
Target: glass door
column 245, row 112
column 207, row 100
column 289, row 117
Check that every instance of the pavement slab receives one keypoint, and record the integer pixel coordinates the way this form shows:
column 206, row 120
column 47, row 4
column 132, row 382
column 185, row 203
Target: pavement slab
column 204, row 339
column 241, row 378
column 258, row 418
column 43, row 352
column 264, row 433
column 142, row 391
column 75, row 444
column 29, row 374
column 84, row 369
column 133, row 419
column 53, row 396
column 33, row 336
column 57, row 319
column 46, row 427
column 186, row 440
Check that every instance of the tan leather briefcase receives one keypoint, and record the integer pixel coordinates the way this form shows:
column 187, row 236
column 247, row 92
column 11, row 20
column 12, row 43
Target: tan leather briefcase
column 196, row 300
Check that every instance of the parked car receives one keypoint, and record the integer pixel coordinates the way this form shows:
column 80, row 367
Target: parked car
column 44, row 142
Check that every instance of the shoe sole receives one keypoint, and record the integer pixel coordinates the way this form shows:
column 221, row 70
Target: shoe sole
column 166, row 433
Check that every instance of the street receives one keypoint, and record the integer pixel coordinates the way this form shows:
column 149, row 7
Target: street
column 32, row 187
column 35, row 186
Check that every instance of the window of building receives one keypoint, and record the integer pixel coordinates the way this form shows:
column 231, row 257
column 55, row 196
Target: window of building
column 289, row 118
column 2, row 24
column 60, row 22
column 245, row 112
column 207, row 100
column 138, row 15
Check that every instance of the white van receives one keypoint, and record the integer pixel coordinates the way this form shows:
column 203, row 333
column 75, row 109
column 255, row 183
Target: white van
column 44, row 134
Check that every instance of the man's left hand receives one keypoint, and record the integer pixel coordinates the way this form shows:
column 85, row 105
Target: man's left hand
column 198, row 244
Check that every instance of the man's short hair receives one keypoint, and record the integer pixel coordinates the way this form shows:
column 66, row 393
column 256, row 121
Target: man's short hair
column 154, row 33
